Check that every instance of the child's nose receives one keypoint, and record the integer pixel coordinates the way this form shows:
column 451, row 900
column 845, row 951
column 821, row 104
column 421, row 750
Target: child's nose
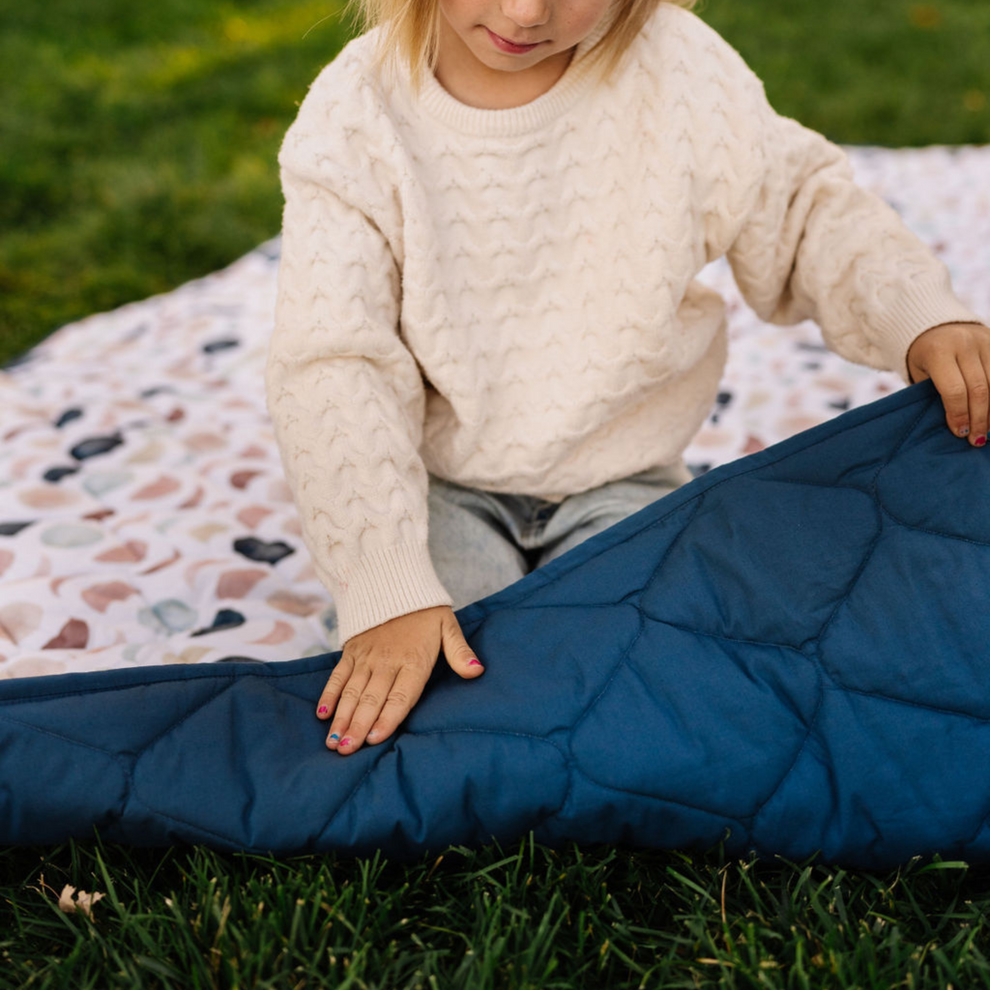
column 526, row 13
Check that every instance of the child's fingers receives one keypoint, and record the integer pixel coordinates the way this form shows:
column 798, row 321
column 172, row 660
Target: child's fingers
column 335, row 684
column 948, row 378
column 978, row 394
column 460, row 656
column 350, row 695
column 377, row 722
column 384, row 692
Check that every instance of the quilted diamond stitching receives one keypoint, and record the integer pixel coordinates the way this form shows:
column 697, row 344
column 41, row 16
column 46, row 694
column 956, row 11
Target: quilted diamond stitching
column 475, row 617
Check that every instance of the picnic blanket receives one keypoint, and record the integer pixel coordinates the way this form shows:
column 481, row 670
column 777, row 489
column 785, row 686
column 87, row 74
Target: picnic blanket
column 144, row 518
column 145, row 523
column 789, row 653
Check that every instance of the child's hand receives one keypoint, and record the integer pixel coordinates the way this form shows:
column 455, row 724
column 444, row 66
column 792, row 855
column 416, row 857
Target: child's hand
column 956, row 356
column 383, row 671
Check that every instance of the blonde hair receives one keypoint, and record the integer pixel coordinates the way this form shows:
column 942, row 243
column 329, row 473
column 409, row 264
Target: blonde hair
column 410, row 31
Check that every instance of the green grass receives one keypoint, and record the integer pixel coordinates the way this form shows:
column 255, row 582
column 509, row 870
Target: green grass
column 528, row 917
column 139, row 152
column 896, row 73
column 140, row 144
column 140, row 139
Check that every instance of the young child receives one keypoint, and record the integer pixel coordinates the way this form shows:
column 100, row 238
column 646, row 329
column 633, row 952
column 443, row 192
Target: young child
column 488, row 317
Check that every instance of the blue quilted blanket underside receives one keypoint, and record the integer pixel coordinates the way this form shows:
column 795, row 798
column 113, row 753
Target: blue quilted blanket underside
column 789, row 653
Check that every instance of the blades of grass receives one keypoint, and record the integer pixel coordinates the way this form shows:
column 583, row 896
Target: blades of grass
column 486, row 871
column 839, row 899
column 706, row 894
column 943, row 865
column 159, row 968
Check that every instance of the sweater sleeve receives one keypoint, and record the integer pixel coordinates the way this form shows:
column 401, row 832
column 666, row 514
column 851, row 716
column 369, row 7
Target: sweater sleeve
column 814, row 245
column 347, row 402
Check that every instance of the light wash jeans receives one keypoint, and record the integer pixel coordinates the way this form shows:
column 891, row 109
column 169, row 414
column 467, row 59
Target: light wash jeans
column 481, row 542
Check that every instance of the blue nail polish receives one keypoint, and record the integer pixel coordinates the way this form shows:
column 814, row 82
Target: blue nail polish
column 333, row 735
column 964, row 431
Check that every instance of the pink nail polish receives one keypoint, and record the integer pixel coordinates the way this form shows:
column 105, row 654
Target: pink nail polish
column 979, row 441
column 346, row 741
column 322, row 710
column 472, row 663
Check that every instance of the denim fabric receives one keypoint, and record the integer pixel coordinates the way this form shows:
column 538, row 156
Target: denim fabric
column 481, row 542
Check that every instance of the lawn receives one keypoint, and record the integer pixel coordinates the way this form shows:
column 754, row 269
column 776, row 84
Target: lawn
column 525, row 917
column 139, row 152
column 140, row 139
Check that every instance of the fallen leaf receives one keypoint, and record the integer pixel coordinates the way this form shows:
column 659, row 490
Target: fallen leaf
column 83, row 903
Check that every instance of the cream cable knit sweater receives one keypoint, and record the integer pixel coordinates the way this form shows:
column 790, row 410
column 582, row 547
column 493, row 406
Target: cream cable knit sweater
column 506, row 298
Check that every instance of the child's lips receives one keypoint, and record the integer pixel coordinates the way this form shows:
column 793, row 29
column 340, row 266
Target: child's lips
column 505, row 45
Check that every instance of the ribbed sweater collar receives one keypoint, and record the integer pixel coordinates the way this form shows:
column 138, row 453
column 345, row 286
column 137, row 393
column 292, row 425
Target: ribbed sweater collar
column 439, row 104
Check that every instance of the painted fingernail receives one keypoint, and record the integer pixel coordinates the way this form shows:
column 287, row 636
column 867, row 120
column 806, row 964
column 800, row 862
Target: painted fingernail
column 964, row 431
column 979, row 441
column 346, row 741
column 333, row 735
column 322, row 710
column 472, row 662
column 373, row 734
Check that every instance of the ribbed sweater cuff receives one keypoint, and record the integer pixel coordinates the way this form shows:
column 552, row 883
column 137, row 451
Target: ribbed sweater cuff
column 929, row 302
column 385, row 584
